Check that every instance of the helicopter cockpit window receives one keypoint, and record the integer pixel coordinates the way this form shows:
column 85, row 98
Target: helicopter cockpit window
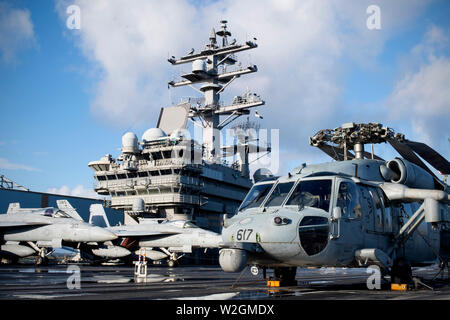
column 387, row 211
column 279, row 193
column 347, row 200
column 312, row 193
column 256, row 196
column 379, row 208
column 313, row 232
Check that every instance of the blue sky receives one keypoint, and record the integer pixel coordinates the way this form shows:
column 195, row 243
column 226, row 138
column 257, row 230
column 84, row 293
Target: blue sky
column 67, row 96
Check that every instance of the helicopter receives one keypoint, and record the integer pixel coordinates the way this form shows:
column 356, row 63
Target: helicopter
column 356, row 211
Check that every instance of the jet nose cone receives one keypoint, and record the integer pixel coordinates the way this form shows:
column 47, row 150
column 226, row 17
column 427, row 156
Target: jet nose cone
column 101, row 235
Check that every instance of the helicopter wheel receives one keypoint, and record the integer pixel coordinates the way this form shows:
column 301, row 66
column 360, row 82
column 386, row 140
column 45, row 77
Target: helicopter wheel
column 401, row 271
column 286, row 276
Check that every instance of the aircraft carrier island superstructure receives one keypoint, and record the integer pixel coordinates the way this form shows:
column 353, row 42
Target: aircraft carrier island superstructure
column 171, row 175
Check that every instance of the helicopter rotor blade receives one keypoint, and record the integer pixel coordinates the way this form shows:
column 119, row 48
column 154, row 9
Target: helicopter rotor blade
column 338, row 153
column 368, row 155
column 406, row 152
column 430, row 155
column 335, row 152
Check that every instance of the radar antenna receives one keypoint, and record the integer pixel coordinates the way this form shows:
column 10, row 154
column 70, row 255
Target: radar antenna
column 214, row 80
column 5, row 183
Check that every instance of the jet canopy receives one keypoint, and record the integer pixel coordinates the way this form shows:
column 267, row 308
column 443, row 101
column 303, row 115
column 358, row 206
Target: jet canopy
column 54, row 213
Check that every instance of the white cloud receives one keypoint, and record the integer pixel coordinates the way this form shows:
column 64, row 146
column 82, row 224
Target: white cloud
column 304, row 49
column 7, row 165
column 78, row 191
column 16, row 31
column 422, row 95
column 425, row 93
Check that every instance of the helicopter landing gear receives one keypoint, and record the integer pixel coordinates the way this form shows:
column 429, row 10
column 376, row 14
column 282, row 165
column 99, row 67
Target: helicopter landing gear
column 285, row 276
column 401, row 272
column 442, row 266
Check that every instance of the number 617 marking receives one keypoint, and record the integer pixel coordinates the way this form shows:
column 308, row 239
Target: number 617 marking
column 243, row 234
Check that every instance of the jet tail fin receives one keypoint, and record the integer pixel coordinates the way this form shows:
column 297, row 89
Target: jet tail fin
column 13, row 207
column 97, row 216
column 65, row 206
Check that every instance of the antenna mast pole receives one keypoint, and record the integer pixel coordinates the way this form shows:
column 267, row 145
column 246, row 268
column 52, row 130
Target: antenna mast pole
column 205, row 70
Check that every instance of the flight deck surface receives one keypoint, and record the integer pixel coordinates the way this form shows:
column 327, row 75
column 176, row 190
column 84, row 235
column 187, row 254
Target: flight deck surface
column 116, row 282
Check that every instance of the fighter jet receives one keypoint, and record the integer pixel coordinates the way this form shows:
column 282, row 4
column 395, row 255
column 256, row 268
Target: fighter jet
column 160, row 239
column 95, row 252
column 355, row 212
column 27, row 231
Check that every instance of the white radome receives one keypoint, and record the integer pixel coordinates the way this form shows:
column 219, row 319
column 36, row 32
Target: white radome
column 153, row 134
column 130, row 143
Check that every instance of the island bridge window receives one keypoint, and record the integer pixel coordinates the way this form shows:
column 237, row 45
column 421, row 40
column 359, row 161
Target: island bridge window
column 167, row 154
column 279, row 193
column 312, row 193
column 166, row 172
column 157, row 155
column 256, row 196
column 131, row 174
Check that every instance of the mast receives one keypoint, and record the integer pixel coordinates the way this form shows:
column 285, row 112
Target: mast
column 213, row 81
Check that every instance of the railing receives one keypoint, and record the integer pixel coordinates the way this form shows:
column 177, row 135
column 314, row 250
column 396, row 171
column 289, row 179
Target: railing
column 133, row 183
column 156, row 199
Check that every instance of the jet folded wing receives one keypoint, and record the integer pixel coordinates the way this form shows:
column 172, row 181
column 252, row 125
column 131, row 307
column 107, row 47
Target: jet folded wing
column 65, row 206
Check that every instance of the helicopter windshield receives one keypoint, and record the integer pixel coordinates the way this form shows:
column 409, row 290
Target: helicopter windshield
column 312, row 193
column 256, row 196
column 279, row 193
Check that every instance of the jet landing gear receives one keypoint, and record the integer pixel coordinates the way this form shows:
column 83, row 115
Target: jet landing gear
column 283, row 277
column 172, row 263
column 42, row 259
